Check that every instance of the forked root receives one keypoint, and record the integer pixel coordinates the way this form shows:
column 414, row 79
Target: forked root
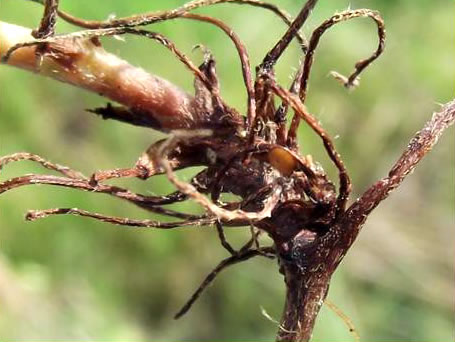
column 243, row 255
column 76, row 180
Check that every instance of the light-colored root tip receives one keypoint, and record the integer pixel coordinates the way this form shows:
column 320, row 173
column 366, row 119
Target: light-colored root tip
column 346, row 320
column 345, row 81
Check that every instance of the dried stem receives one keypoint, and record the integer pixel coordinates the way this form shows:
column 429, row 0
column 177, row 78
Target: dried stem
column 345, row 318
column 418, row 147
column 308, row 279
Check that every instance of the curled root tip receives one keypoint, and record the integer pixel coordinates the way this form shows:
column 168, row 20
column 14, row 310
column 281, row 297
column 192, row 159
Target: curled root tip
column 33, row 215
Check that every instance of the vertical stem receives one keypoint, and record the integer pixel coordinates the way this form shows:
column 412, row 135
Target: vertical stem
column 305, row 294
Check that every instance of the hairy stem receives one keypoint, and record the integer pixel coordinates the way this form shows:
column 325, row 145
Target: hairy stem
column 418, row 147
column 308, row 275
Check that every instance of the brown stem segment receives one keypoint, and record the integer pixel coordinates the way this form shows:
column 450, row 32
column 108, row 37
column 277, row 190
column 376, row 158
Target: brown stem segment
column 305, row 294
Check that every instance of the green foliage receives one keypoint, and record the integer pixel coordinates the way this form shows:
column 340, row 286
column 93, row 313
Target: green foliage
column 71, row 278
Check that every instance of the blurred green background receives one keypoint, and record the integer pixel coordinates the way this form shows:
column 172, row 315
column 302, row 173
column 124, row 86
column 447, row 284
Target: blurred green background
column 72, row 278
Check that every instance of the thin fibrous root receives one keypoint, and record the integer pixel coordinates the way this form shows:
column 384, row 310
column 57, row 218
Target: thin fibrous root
column 360, row 65
column 150, row 18
column 227, row 246
column 33, row 215
column 192, row 192
column 275, row 53
column 303, row 75
column 243, row 255
column 346, row 320
column 48, row 21
column 65, row 170
column 149, row 203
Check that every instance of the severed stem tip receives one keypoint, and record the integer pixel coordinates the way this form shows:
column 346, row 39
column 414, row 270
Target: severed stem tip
column 76, row 60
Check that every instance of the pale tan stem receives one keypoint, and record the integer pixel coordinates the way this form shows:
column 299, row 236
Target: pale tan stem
column 85, row 64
